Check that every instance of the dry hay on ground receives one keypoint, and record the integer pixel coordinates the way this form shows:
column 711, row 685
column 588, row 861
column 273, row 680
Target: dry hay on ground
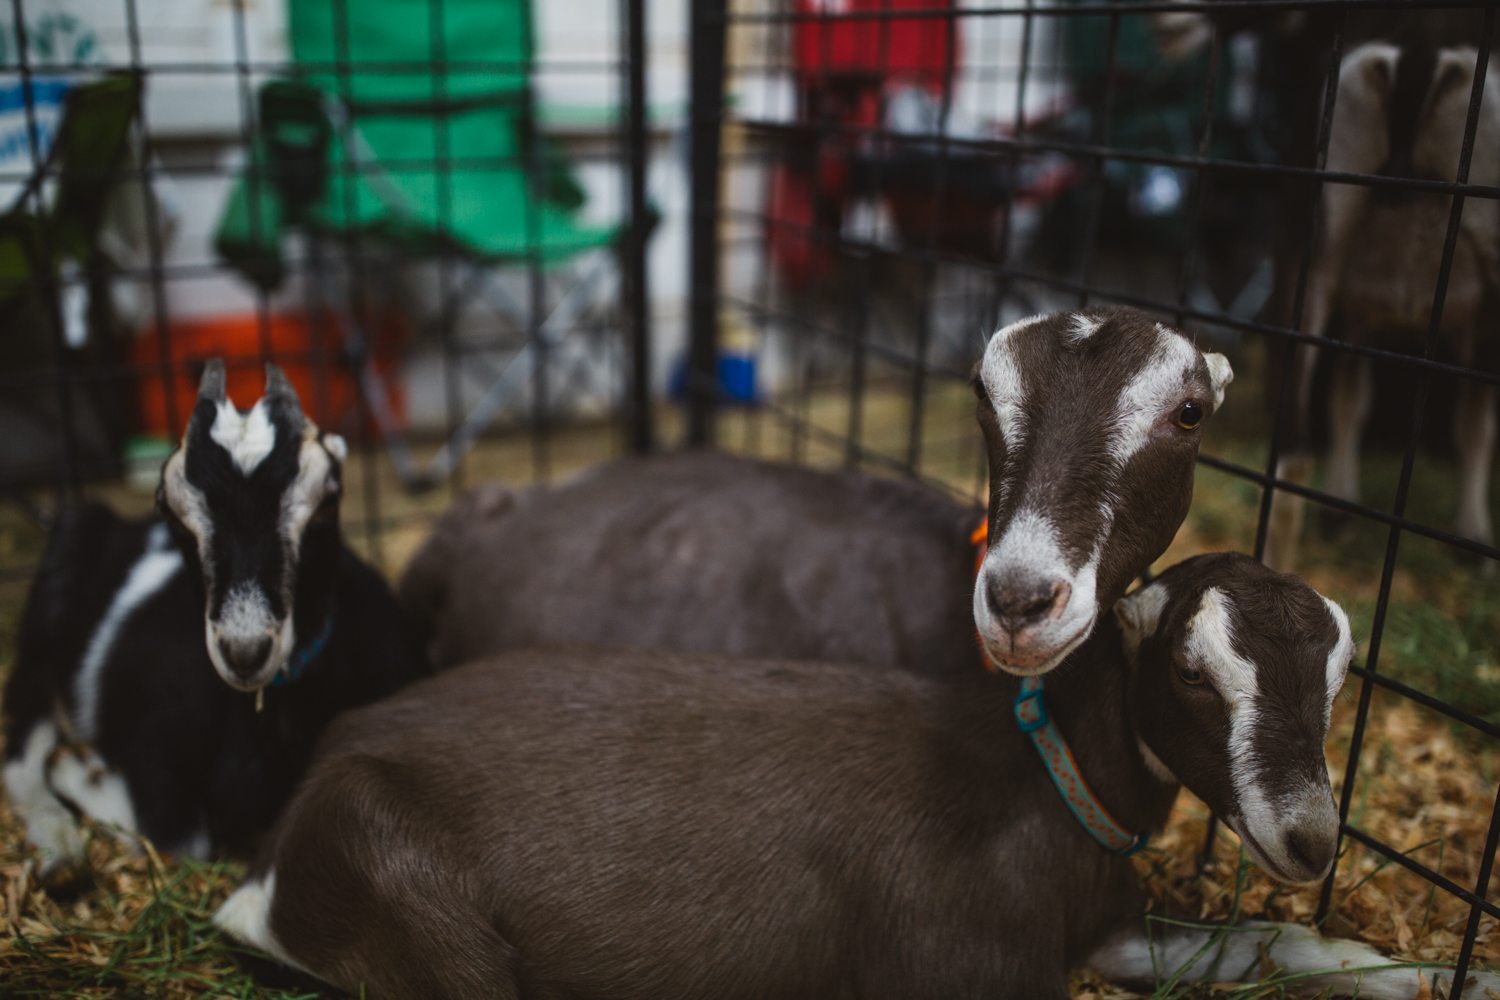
column 142, row 929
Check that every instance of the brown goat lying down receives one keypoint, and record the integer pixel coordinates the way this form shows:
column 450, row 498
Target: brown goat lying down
column 580, row 822
column 1093, row 420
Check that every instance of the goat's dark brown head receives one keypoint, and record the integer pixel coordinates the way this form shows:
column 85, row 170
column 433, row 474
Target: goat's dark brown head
column 1093, row 421
column 252, row 499
column 1234, row 668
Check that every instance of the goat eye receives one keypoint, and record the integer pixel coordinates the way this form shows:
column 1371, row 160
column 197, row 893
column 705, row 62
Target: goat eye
column 979, row 393
column 1190, row 675
column 1189, row 415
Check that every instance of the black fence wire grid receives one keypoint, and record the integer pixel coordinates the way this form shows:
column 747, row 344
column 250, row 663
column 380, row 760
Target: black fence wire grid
column 872, row 187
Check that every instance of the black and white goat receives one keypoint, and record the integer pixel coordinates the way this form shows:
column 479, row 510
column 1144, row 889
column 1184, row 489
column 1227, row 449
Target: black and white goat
column 1401, row 111
column 1093, row 420
column 587, row 823
column 114, row 709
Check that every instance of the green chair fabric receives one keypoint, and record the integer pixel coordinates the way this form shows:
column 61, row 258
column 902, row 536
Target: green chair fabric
column 487, row 44
column 425, row 157
column 89, row 148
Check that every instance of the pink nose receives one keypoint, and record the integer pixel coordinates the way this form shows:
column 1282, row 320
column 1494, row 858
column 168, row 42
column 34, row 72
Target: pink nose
column 1020, row 603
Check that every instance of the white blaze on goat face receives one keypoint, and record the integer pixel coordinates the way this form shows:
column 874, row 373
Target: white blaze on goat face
column 1078, row 401
column 1002, row 380
column 247, row 437
column 1265, row 822
column 1210, row 647
column 1231, row 665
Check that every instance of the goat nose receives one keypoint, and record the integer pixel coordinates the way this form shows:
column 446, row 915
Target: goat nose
column 245, row 656
column 1311, row 848
column 1019, row 603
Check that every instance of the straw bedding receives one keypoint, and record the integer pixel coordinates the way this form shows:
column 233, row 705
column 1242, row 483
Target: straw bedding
column 140, row 927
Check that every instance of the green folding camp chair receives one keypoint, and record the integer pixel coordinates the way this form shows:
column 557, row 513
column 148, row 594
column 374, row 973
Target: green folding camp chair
column 374, row 141
column 49, row 232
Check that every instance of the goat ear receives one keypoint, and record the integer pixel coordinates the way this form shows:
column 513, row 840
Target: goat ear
column 1379, row 69
column 1139, row 614
column 1220, row 374
column 277, row 384
column 1455, row 68
column 211, row 386
column 337, row 446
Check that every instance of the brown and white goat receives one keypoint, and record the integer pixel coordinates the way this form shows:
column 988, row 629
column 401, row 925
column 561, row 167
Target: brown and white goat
column 1401, row 110
column 586, row 823
column 1093, row 421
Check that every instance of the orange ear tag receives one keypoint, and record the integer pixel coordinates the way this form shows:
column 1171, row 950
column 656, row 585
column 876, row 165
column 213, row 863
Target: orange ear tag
column 980, row 539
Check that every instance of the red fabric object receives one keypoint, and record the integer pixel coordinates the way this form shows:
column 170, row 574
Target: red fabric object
column 843, row 67
column 921, row 50
column 237, row 339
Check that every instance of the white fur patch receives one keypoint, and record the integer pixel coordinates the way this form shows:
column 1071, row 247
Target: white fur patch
column 1083, row 327
column 337, row 446
column 246, row 916
column 1260, row 823
column 1138, row 614
column 1220, row 374
column 1001, row 374
column 1209, row 644
column 49, row 825
column 245, row 618
column 302, row 498
column 1017, row 326
column 151, row 572
column 100, row 792
column 1152, row 395
column 1030, row 540
column 248, row 437
column 190, row 506
column 1354, row 968
column 1340, row 657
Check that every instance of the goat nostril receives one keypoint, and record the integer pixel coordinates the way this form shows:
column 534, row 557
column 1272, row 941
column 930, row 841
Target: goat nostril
column 1019, row 604
column 1309, row 850
column 245, row 657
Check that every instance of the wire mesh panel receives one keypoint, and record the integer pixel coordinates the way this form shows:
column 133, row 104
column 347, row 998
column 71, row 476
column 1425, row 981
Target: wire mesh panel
column 1307, row 187
column 430, row 213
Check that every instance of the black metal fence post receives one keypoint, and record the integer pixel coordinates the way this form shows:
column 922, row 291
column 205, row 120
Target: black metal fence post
column 707, row 104
column 637, row 296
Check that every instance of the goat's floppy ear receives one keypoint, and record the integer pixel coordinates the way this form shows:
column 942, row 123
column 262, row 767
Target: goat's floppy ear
column 1219, row 376
column 1139, row 614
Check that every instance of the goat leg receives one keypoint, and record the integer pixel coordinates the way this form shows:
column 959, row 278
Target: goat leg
column 1292, row 956
column 1348, row 410
column 1287, row 512
column 1474, row 433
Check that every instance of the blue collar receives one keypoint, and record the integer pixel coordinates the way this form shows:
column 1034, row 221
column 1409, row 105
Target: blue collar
column 1031, row 713
column 296, row 664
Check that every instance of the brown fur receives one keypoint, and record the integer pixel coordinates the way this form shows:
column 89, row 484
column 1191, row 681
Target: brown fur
column 578, row 822
column 710, row 553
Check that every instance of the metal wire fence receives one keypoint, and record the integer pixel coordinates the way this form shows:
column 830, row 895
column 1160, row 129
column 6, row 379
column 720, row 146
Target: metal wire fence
column 875, row 186
column 386, row 184
column 890, row 180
